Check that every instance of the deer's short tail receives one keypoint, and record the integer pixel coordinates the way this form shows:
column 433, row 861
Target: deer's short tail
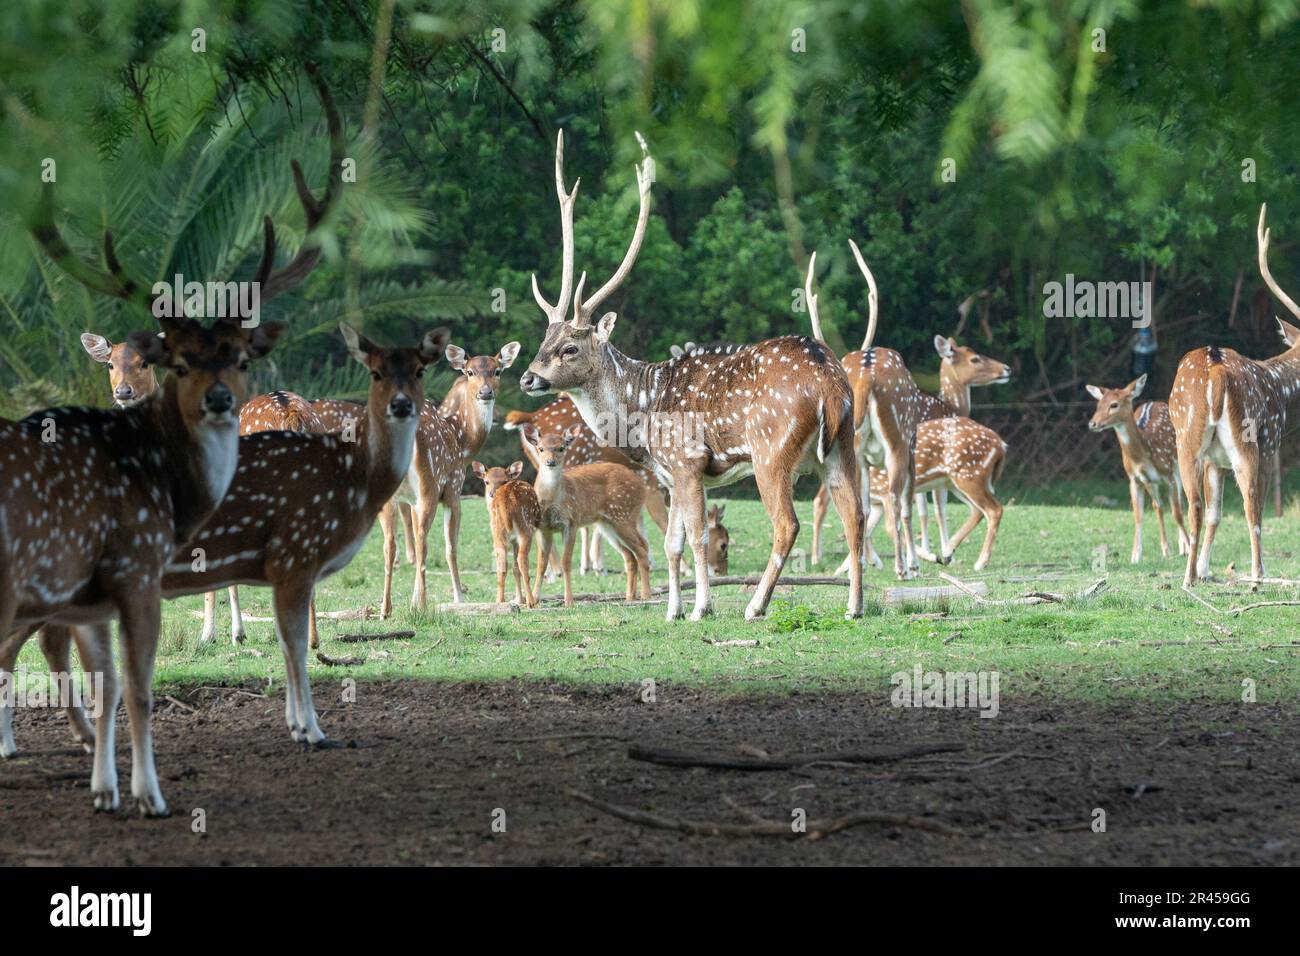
column 832, row 415
column 516, row 420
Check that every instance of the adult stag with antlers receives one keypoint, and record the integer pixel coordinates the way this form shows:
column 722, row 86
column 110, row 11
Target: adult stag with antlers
column 1230, row 411
column 770, row 410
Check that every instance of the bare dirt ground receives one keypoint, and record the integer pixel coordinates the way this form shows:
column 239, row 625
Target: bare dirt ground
column 423, row 767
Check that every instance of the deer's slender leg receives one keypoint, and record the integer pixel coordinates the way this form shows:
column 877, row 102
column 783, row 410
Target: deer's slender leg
column 209, row 617
column 820, row 505
column 688, row 497
column 451, row 536
column 597, row 558
column 1276, row 472
column 292, row 599
column 923, row 519
column 1190, row 470
column 390, row 556
column 141, row 619
column 236, row 617
column 584, row 552
column 524, row 546
column 11, row 642
column 425, row 510
column 408, row 532
column 777, row 492
column 1138, row 499
column 103, row 778
column 1175, row 492
column 56, row 645
column 1213, row 514
column 1252, row 479
column 1157, row 502
column 566, row 563
column 544, row 558
column 674, row 539
column 499, row 558
column 838, row 480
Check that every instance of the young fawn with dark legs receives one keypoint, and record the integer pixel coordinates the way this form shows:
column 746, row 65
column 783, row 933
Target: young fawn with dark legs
column 607, row 495
column 514, row 515
column 771, row 410
column 1150, row 450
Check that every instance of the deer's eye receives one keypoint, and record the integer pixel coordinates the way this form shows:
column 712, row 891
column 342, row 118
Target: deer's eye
column 180, row 371
column 1114, row 405
column 975, row 360
column 419, row 372
column 469, row 372
column 243, row 365
column 375, row 375
column 570, row 351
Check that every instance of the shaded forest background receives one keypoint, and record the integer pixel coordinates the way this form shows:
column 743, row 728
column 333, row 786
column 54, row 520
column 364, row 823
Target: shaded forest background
column 1113, row 140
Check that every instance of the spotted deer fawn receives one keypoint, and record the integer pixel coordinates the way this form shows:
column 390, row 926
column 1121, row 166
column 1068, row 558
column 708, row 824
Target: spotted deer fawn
column 1230, row 411
column 887, row 406
column 558, row 417
column 771, row 410
column 514, row 515
column 961, row 368
column 1148, row 445
column 130, row 377
column 962, row 455
column 449, row 435
column 604, row 494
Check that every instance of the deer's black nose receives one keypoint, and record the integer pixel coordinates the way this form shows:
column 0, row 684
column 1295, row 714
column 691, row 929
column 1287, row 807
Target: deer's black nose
column 123, row 392
column 533, row 383
column 401, row 407
column 219, row 399
column 485, row 394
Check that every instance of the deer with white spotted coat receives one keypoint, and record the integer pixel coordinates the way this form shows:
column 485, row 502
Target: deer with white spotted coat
column 771, row 410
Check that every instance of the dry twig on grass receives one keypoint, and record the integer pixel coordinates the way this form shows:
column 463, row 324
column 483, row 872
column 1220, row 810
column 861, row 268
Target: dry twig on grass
column 385, row 636
column 1234, row 611
column 339, row 661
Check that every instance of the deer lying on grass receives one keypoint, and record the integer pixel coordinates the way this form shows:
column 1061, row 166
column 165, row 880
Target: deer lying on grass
column 961, row 368
column 449, row 435
column 89, row 517
column 887, row 406
column 770, row 410
column 514, row 515
column 1148, row 445
column 961, row 454
column 558, row 417
column 607, row 495
column 1230, row 411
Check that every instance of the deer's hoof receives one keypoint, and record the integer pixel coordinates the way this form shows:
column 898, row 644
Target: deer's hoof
column 106, row 801
column 152, row 808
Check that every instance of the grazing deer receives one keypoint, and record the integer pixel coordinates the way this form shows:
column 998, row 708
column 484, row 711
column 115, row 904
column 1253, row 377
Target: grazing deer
column 1149, row 446
column 558, row 417
column 961, row 368
column 514, row 515
column 129, row 376
column 1230, row 411
column 448, row 437
column 965, row 456
column 887, row 406
column 603, row 493
column 770, row 410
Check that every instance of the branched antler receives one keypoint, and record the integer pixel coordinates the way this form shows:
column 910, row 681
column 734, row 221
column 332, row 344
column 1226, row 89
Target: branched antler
column 873, row 297
column 1261, row 241
column 555, row 313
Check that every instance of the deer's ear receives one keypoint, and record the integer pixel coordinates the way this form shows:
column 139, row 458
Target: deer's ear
column 572, row 432
column 152, row 350
column 605, row 326
column 98, row 347
column 943, row 346
column 509, row 352
column 359, row 347
column 675, row 351
column 434, row 344
column 530, row 434
column 722, row 510
column 1289, row 332
column 1137, row 385
column 1095, row 392
column 479, row 471
column 263, row 336
column 456, row 356
column 516, row 469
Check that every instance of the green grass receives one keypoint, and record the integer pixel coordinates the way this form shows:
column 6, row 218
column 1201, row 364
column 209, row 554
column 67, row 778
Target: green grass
column 1093, row 649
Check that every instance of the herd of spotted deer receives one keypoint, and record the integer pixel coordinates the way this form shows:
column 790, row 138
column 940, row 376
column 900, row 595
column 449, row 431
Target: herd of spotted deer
column 184, row 487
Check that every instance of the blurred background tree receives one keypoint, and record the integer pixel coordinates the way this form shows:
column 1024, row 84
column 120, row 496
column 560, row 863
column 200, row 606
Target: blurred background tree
column 980, row 149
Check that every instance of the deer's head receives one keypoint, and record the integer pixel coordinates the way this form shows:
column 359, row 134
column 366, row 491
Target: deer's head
column 1114, row 405
column 129, row 375
column 208, row 365
column 719, row 541
column 966, row 367
column 482, row 372
column 494, row 478
column 395, row 386
column 551, row 448
column 569, row 357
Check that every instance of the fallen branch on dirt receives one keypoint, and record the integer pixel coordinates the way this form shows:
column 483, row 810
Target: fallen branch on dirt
column 385, row 636
column 574, row 736
column 709, row 640
column 1234, row 611
column 814, row 829
column 339, row 661
column 181, row 704
column 679, row 758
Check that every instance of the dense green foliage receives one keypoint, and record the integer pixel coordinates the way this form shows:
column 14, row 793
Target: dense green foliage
column 777, row 128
